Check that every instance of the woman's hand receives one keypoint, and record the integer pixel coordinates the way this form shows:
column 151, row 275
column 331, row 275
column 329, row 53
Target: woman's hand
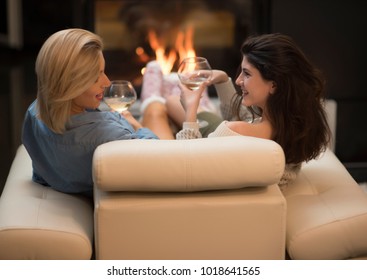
column 218, row 76
column 190, row 100
column 130, row 118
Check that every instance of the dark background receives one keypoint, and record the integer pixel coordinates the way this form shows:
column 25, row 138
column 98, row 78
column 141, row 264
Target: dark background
column 332, row 33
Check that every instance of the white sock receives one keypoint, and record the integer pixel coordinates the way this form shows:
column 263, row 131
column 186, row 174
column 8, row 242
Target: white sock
column 151, row 99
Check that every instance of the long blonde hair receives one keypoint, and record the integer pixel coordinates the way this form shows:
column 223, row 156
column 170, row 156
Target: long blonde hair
column 66, row 66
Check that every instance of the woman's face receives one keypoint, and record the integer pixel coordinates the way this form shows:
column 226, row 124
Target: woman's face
column 255, row 90
column 92, row 97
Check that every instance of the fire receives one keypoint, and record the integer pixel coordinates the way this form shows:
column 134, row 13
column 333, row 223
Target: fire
column 184, row 44
column 167, row 57
column 165, row 60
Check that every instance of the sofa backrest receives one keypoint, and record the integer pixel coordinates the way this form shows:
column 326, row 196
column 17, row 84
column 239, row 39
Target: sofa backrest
column 187, row 165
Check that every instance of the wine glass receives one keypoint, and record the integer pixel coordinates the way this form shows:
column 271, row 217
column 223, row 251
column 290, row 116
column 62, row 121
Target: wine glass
column 120, row 95
column 192, row 72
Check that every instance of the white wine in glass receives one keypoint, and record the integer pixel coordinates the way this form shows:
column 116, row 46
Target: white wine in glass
column 193, row 71
column 120, row 95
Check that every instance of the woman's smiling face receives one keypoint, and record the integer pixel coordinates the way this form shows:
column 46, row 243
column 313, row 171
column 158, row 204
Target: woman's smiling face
column 255, row 90
column 92, row 97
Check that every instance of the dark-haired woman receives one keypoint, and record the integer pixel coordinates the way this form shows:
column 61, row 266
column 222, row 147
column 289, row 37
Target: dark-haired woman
column 281, row 98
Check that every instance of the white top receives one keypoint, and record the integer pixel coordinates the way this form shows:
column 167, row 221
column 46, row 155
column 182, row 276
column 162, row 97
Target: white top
column 190, row 130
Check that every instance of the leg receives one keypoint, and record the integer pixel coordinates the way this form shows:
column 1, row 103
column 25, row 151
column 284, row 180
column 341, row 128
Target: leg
column 155, row 118
column 175, row 110
column 177, row 113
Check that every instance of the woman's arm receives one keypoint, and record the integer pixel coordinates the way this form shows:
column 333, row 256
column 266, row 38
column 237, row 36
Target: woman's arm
column 225, row 91
column 132, row 121
column 190, row 101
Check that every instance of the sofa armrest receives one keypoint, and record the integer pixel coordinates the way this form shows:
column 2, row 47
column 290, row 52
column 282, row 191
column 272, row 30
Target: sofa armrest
column 37, row 222
column 187, row 165
column 327, row 212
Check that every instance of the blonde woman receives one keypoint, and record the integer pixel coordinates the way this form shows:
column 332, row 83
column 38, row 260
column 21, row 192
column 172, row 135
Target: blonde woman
column 63, row 126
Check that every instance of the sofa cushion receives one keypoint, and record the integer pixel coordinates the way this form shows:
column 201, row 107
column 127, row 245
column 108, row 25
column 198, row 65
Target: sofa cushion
column 187, row 165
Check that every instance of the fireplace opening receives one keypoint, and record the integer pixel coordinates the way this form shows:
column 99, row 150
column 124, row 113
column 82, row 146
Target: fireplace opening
column 136, row 32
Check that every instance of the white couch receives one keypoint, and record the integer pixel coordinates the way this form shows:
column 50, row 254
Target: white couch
column 37, row 222
column 326, row 216
column 194, row 199
column 212, row 198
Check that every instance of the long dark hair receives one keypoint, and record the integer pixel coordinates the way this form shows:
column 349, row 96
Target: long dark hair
column 296, row 109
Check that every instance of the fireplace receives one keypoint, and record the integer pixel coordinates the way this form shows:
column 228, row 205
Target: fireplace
column 135, row 32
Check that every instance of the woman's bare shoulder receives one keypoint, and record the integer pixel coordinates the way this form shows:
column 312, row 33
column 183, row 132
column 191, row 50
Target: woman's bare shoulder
column 262, row 129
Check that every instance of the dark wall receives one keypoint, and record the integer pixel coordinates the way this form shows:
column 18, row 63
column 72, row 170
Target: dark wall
column 41, row 18
column 3, row 17
column 333, row 34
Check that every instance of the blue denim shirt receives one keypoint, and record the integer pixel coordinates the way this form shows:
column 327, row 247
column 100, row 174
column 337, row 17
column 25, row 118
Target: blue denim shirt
column 64, row 161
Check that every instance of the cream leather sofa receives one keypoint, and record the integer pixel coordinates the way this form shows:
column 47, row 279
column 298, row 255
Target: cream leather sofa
column 326, row 213
column 195, row 199
column 37, row 222
column 212, row 198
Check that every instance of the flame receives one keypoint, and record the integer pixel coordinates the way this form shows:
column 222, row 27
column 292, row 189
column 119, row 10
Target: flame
column 166, row 57
column 185, row 43
column 166, row 61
